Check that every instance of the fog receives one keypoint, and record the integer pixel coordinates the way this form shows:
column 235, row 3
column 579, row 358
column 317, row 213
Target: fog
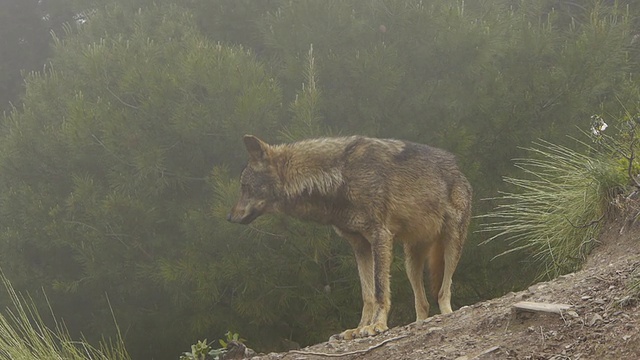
column 122, row 147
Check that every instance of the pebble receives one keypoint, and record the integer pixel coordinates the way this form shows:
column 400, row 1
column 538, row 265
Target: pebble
column 594, row 319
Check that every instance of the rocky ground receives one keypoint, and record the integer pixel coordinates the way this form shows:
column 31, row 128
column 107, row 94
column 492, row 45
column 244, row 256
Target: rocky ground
column 602, row 322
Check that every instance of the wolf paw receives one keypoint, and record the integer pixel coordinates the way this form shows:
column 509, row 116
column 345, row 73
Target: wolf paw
column 364, row 331
column 347, row 334
column 372, row 330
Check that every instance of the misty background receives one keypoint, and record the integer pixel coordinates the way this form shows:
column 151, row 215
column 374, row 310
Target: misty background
column 121, row 146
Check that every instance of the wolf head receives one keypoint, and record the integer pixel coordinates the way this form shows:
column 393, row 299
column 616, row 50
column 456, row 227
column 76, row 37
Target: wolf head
column 258, row 183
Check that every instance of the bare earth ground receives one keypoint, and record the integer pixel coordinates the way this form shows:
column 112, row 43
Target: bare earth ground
column 603, row 323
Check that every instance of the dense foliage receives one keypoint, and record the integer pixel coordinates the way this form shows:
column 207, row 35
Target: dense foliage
column 118, row 167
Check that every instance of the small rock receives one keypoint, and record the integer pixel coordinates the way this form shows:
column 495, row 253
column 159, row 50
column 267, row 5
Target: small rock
column 594, row 319
column 235, row 351
column 331, row 344
column 627, row 301
column 426, row 321
column 449, row 349
column 536, row 287
column 573, row 314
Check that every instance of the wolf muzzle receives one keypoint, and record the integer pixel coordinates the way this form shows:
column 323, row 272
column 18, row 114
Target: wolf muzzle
column 243, row 218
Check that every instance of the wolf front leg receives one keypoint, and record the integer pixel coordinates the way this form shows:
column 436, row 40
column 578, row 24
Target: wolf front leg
column 364, row 259
column 374, row 267
column 382, row 247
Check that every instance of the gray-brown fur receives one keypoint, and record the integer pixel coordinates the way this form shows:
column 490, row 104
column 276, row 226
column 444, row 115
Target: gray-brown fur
column 373, row 192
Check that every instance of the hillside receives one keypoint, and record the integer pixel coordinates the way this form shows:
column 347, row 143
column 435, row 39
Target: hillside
column 603, row 322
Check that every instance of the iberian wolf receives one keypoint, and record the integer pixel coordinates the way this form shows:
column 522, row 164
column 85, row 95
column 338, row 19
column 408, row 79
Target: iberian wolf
column 372, row 191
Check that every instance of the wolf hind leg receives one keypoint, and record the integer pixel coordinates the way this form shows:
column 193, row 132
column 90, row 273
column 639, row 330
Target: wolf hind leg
column 414, row 258
column 454, row 233
column 452, row 241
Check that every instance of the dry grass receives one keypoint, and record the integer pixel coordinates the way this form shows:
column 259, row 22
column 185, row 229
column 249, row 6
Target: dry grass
column 24, row 335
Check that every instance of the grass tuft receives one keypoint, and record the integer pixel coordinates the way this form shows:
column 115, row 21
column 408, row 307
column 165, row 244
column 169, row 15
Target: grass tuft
column 633, row 286
column 557, row 211
column 24, row 335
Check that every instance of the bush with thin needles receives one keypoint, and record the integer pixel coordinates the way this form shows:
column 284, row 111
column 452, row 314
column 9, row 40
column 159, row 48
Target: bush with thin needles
column 558, row 209
column 24, row 335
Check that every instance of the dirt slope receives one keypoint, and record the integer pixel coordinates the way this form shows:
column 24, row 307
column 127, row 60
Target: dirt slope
column 603, row 323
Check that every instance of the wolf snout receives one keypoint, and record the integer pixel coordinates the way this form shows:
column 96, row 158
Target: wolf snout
column 235, row 218
column 243, row 217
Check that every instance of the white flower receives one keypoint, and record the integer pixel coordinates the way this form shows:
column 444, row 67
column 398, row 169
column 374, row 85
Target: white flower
column 598, row 125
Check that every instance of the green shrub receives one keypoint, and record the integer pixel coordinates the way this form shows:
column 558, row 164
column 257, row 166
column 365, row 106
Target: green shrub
column 558, row 209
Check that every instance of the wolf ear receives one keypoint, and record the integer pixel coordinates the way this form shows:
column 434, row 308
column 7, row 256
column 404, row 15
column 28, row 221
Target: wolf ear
column 258, row 149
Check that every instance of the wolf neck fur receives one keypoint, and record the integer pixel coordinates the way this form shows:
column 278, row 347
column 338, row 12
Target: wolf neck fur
column 302, row 177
